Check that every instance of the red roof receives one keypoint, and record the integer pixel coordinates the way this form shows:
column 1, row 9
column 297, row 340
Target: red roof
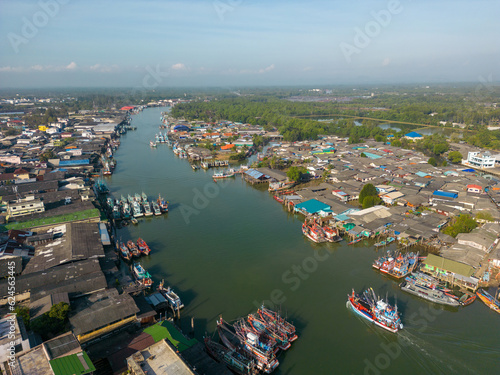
column 127, row 108
column 227, row 147
column 472, row 186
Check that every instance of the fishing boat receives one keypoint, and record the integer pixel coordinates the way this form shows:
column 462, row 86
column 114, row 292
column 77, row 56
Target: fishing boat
column 141, row 275
column 278, row 199
column 233, row 339
column 130, row 199
column 233, row 359
column 260, row 326
column 152, row 144
column 156, row 208
column 133, row 249
column 427, row 288
column 144, row 198
column 124, row 252
column 134, row 221
column 489, row 300
column 194, row 167
column 381, row 243
column 313, row 231
column 389, row 240
column 162, row 203
column 136, row 208
column 137, row 198
column 126, row 210
column 275, row 319
column 224, row 174
column 278, row 186
column 372, row 308
column 100, row 187
column 147, row 209
column 331, row 234
column 356, row 240
column 143, row 246
column 110, row 202
column 172, row 298
column 116, row 213
column 403, row 265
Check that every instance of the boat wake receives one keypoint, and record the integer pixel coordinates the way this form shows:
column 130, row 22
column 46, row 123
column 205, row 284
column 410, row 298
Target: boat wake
column 430, row 357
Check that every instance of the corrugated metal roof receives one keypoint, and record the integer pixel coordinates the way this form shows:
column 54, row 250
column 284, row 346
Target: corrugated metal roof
column 312, row 206
column 449, row 265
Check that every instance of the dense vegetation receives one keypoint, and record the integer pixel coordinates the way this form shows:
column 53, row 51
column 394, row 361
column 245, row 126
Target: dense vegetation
column 461, row 224
column 368, row 197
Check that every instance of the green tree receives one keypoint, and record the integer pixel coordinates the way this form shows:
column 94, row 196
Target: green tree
column 363, row 155
column 367, row 191
column 59, row 311
column 370, row 201
column 461, row 224
column 432, row 161
column 295, row 173
column 484, row 215
column 455, row 157
column 23, row 312
column 440, row 148
column 379, row 138
column 396, row 143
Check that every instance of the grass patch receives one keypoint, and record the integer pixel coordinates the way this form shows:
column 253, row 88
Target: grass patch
column 81, row 215
column 166, row 330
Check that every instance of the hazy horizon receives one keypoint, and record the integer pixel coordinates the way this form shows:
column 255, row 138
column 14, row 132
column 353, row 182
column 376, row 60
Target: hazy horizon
column 156, row 44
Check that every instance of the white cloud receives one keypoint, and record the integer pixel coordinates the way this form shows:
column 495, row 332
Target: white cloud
column 268, row 69
column 178, row 66
column 307, row 68
column 386, row 61
column 71, row 66
column 104, row 68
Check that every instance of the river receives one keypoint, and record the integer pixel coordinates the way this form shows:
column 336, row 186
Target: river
column 227, row 247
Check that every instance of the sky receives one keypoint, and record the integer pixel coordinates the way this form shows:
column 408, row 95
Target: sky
column 218, row 43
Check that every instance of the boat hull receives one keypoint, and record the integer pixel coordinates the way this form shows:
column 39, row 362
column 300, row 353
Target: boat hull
column 368, row 316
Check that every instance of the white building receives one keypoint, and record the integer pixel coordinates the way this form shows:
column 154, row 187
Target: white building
column 480, row 159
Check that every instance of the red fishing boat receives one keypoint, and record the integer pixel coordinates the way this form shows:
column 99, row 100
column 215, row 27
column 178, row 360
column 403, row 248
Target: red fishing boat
column 143, row 246
column 313, row 231
column 133, row 249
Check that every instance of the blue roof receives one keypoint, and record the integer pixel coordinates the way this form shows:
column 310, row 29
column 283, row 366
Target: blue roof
column 422, row 174
column 312, row 206
column 372, row 156
column 447, row 194
column 413, row 135
column 342, row 217
column 63, row 163
column 255, row 174
column 468, row 170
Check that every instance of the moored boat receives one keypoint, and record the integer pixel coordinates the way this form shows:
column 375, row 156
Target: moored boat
column 162, row 203
column 356, row 240
column 233, row 359
column 489, row 300
column 124, row 252
column 141, row 275
column 331, row 234
column 274, row 318
column 313, row 231
column 133, row 249
column 147, row 209
column 156, row 208
column 372, row 308
column 429, row 292
column 403, row 265
column 143, row 246
column 224, row 174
